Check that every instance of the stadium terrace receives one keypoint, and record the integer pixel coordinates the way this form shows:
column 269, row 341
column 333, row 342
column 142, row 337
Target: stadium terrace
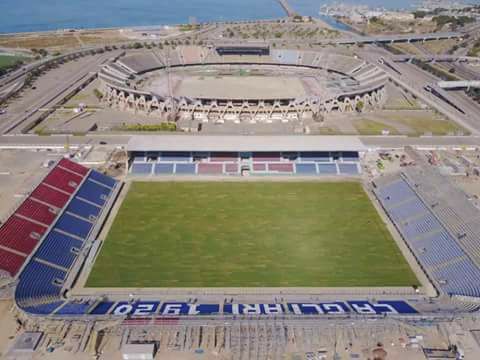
column 236, row 155
column 334, row 308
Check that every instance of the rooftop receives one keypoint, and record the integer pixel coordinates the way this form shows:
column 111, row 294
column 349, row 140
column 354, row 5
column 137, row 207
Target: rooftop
column 243, row 143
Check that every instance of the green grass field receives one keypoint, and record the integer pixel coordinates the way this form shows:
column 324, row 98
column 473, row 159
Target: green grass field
column 367, row 126
column 7, row 60
column 248, row 234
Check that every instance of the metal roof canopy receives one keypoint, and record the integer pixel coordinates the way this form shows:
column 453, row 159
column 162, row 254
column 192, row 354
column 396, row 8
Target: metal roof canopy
column 138, row 351
column 25, row 343
column 244, row 143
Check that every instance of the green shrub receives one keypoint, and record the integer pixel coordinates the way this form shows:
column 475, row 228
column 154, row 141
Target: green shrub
column 165, row 126
column 98, row 94
column 360, row 106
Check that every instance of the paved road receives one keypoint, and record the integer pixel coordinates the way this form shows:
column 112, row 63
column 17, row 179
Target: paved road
column 433, row 141
column 436, row 58
column 394, row 38
column 49, row 91
column 415, row 80
column 58, row 141
column 18, row 141
column 14, row 75
column 463, row 71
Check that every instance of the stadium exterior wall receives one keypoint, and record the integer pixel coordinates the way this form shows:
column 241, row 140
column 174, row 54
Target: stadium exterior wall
column 223, row 110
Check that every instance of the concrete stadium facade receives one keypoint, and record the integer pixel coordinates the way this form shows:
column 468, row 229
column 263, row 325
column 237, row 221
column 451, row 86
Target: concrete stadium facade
column 358, row 85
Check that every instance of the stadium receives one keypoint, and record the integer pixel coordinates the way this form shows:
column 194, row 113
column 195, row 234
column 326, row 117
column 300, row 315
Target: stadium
column 273, row 189
column 240, row 83
column 219, row 227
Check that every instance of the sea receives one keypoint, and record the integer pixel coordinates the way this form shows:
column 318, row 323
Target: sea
column 44, row 15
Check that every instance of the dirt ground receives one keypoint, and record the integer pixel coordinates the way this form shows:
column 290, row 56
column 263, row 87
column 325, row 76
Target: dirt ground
column 238, row 87
column 8, row 329
column 19, row 171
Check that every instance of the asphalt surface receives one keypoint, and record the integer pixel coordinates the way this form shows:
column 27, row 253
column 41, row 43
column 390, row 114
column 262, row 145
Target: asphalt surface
column 415, row 80
column 49, row 91
column 380, row 142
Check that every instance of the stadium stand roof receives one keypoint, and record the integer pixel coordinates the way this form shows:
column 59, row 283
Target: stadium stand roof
column 244, row 143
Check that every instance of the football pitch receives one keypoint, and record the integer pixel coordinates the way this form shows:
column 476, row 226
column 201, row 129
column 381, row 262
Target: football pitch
column 249, row 234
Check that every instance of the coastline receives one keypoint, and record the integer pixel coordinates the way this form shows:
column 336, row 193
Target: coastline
column 321, row 19
column 135, row 27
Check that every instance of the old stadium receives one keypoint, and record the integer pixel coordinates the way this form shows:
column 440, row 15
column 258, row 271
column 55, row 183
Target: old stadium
column 240, row 83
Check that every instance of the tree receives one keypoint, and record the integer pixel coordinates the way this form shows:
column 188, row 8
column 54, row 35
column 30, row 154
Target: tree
column 298, row 18
column 43, row 52
column 442, row 20
column 419, row 14
column 360, row 106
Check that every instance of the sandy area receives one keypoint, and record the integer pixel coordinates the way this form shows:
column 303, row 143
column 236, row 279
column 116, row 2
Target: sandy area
column 238, row 87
